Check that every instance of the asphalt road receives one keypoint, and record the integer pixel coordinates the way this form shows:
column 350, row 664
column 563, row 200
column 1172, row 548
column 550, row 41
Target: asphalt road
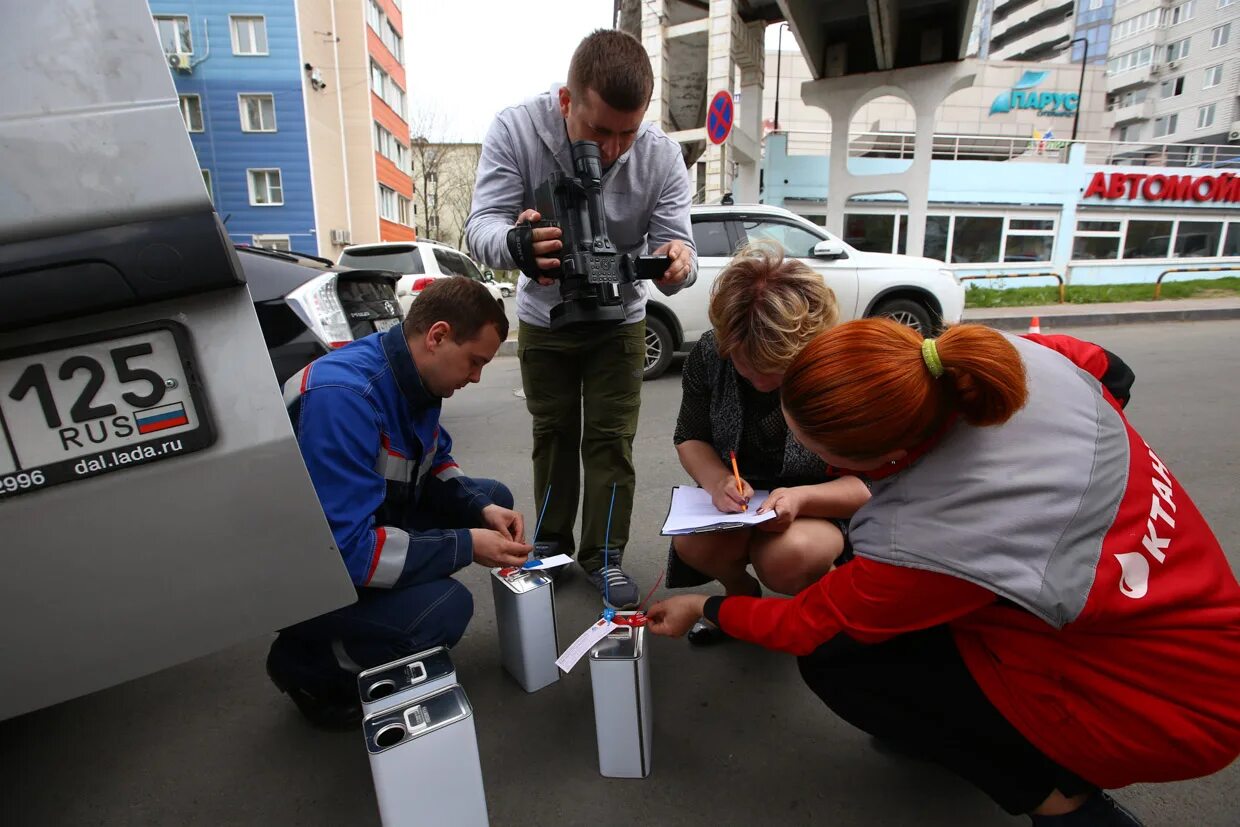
column 737, row 737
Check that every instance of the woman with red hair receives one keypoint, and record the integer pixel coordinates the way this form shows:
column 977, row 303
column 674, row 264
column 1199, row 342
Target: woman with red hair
column 1034, row 602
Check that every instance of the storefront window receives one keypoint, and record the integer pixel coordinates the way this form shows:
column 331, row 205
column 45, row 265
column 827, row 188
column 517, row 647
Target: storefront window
column 1231, row 247
column 1147, row 239
column 976, row 239
column 1095, row 247
column 936, row 236
column 870, row 233
column 1195, row 239
column 902, row 235
column 1029, row 239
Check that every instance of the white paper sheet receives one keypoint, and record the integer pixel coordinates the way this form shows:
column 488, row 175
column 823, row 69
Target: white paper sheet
column 548, row 562
column 584, row 643
column 692, row 512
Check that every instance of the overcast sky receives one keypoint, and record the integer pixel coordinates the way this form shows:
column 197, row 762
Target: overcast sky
column 468, row 59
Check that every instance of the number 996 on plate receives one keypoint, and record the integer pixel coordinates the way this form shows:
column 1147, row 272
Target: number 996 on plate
column 77, row 408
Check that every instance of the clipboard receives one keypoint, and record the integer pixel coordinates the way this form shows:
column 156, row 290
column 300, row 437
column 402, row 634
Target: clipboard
column 690, row 511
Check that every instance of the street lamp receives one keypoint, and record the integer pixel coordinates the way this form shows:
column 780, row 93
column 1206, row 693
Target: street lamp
column 1080, row 88
column 779, row 63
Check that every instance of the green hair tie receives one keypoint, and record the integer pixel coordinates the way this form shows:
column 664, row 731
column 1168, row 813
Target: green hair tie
column 930, row 354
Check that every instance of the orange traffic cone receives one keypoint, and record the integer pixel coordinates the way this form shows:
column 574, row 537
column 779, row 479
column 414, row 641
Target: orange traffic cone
column 1034, row 326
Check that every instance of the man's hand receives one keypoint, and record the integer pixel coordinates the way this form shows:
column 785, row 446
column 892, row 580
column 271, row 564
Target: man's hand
column 507, row 522
column 786, row 503
column 546, row 243
column 727, row 499
column 676, row 615
column 682, row 262
column 494, row 549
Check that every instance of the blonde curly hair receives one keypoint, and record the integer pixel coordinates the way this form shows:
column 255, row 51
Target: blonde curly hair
column 769, row 307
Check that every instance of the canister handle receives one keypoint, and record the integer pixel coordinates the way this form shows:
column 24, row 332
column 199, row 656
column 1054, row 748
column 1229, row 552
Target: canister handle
column 417, row 718
column 417, row 672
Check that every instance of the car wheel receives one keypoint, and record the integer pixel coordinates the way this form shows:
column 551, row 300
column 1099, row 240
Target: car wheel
column 506, row 291
column 907, row 312
column 659, row 347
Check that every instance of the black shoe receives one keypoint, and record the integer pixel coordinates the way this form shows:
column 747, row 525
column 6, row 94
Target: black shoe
column 334, row 710
column 705, row 633
column 1099, row 810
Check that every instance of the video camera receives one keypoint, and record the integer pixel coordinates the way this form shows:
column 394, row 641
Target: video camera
column 591, row 271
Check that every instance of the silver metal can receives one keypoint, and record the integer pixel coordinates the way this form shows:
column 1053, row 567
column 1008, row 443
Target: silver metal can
column 620, row 679
column 424, row 762
column 405, row 679
column 525, row 619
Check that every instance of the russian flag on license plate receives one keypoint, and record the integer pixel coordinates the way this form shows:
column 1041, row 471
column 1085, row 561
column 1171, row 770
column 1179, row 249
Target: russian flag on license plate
column 161, row 418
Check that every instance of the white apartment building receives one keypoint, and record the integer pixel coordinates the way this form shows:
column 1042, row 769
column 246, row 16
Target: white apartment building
column 1174, row 71
column 1033, row 30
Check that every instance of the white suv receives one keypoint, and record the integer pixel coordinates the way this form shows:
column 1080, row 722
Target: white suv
column 419, row 263
column 920, row 292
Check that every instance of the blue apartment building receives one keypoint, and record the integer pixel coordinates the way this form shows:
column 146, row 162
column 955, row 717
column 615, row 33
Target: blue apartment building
column 238, row 71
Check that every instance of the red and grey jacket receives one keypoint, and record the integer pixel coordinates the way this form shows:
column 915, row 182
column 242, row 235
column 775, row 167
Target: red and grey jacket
column 370, row 435
column 1085, row 592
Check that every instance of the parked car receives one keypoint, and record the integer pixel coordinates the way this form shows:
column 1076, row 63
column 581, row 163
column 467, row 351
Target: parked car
column 920, row 292
column 308, row 306
column 418, row 263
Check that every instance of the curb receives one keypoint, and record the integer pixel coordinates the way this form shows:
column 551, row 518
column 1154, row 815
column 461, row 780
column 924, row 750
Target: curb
column 1021, row 323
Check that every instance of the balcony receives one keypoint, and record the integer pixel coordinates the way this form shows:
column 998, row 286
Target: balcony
column 1133, row 77
column 1142, row 111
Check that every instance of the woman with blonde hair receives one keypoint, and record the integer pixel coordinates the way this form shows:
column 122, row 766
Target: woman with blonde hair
column 764, row 308
column 1034, row 601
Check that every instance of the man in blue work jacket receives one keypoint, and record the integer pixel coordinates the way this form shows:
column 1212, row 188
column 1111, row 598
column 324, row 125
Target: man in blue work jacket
column 403, row 514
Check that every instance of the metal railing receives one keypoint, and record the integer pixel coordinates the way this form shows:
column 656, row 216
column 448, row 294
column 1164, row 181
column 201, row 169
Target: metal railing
column 1164, row 273
column 1056, row 276
column 950, row 147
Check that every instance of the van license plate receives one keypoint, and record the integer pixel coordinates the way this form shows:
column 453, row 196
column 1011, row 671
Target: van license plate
column 92, row 405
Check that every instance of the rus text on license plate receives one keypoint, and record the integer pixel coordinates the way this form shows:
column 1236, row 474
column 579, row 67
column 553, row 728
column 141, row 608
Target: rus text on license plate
column 80, row 407
column 385, row 324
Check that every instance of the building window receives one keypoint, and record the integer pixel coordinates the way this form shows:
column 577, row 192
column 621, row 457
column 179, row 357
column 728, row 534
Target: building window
column 869, row 232
column 206, row 182
column 1213, row 77
column 191, row 112
column 1130, row 132
column 383, row 86
column 1197, row 239
column 266, row 189
column 374, row 15
column 392, row 40
column 1029, row 239
column 392, row 149
column 1220, row 35
column 1125, row 29
column 976, row 239
column 1205, row 116
column 1231, row 246
column 273, row 242
column 1131, row 60
column 1171, row 88
column 249, row 35
column 402, row 210
column 1096, row 240
column 1222, row 4
column 387, row 204
column 1166, row 125
column 1147, row 239
column 938, row 229
column 1182, row 12
column 1178, row 50
column 258, row 113
column 174, row 34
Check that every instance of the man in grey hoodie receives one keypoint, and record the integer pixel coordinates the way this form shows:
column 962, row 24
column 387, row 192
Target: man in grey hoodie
column 583, row 384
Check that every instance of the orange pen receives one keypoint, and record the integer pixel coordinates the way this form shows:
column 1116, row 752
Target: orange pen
column 736, row 473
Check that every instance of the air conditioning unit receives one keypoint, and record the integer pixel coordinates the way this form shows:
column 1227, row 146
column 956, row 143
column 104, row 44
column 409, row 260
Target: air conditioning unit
column 341, row 238
column 1233, row 134
column 1173, row 65
column 180, row 61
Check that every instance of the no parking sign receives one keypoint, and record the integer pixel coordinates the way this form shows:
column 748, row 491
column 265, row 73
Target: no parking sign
column 719, row 117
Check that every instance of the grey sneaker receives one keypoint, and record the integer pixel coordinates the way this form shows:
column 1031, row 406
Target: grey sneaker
column 618, row 589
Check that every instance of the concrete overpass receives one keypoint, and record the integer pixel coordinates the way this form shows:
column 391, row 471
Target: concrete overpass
column 857, row 50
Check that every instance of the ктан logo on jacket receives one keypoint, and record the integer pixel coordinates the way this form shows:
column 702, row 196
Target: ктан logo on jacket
column 1023, row 96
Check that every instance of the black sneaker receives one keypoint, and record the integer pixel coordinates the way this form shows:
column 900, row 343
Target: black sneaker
column 334, row 710
column 618, row 589
column 1099, row 810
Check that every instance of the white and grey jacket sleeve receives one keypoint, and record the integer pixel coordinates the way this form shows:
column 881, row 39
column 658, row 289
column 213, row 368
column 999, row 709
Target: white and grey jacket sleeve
column 499, row 193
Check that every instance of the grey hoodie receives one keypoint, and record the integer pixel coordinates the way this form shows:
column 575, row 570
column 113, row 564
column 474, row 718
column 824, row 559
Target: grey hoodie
column 646, row 191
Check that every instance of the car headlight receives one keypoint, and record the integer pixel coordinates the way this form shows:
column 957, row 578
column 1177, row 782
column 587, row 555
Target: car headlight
column 318, row 305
